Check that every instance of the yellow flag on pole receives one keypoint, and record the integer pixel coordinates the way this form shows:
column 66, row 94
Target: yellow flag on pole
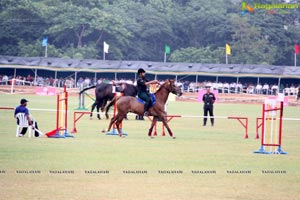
column 228, row 49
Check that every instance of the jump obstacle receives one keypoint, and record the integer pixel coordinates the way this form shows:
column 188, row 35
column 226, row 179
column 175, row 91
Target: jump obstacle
column 77, row 115
column 169, row 118
column 81, row 105
column 245, row 125
column 257, row 126
column 76, row 119
column 271, row 127
column 6, row 108
column 61, row 117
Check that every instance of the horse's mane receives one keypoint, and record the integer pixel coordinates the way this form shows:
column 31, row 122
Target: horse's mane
column 162, row 86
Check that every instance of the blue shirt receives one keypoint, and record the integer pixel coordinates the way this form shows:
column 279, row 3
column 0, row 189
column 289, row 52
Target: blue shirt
column 21, row 109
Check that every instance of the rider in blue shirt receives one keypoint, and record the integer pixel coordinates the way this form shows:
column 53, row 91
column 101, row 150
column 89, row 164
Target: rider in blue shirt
column 22, row 109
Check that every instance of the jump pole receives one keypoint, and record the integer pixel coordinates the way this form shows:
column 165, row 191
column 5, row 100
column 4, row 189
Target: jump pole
column 271, row 127
column 76, row 119
column 81, row 100
column 61, row 117
column 114, row 130
column 258, row 125
column 245, row 125
column 81, row 104
column 6, row 108
column 169, row 118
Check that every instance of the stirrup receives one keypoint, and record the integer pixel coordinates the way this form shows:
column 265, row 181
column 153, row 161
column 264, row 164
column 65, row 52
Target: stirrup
column 146, row 113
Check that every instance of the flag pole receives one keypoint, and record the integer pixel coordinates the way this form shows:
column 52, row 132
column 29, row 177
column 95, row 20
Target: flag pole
column 46, row 50
column 295, row 60
column 226, row 58
column 103, row 55
column 165, row 57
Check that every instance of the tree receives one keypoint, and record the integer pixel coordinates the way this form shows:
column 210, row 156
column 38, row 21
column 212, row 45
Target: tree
column 198, row 55
column 196, row 30
column 248, row 44
column 36, row 50
column 205, row 23
column 20, row 21
column 80, row 25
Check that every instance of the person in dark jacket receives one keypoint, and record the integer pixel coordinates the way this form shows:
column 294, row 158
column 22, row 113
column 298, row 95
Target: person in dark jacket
column 142, row 85
column 208, row 100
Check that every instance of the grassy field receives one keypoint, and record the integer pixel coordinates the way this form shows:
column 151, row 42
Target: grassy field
column 220, row 149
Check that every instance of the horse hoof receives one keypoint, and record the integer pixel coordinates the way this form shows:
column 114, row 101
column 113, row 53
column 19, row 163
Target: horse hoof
column 103, row 131
column 173, row 137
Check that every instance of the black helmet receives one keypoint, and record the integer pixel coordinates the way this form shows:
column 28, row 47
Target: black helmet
column 141, row 70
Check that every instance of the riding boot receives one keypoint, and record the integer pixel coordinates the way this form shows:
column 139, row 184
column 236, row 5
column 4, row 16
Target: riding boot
column 146, row 113
column 212, row 121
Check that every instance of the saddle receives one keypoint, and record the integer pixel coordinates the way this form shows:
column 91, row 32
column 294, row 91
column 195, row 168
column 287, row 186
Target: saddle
column 153, row 100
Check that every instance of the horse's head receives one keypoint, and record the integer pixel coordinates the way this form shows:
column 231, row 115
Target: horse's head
column 171, row 87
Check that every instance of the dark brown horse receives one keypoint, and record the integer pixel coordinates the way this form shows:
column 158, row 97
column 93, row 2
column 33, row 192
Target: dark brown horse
column 104, row 93
column 127, row 104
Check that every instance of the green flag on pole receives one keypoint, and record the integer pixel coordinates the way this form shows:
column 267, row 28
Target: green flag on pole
column 167, row 49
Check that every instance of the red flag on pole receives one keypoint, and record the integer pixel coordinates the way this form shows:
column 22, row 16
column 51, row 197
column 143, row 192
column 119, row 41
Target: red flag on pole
column 296, row 48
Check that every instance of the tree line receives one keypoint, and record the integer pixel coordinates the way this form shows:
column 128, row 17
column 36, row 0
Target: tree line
column 195, row 30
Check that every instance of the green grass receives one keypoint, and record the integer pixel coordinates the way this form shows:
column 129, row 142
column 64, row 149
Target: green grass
column 220, row 148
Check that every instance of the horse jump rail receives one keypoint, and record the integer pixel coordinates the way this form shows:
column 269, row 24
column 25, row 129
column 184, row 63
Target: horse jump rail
column 75, row 119
column 169, row 118
column 6, row 108
column 245, row 125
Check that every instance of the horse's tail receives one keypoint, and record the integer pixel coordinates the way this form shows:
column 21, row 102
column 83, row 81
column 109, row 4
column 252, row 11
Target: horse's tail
column 87, row 88
column 112, row 102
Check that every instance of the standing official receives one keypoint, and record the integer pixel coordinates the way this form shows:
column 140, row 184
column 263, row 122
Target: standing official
column 208, row 100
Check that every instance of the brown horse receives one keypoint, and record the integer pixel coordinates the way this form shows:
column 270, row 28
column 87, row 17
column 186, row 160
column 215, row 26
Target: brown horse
column 127, row 104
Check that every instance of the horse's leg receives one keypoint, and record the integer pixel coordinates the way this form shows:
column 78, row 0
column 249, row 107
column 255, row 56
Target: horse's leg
column 112, row 121
column 164, row 121
column 118, row 122
column 92, row 109
column 152, row 125
column 106, row 111
column 103, row 105
column 98, row 112
column 106, row 115
column 103, row 108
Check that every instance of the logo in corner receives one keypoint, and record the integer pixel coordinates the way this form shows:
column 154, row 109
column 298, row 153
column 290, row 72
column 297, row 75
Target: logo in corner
column 246, row 8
